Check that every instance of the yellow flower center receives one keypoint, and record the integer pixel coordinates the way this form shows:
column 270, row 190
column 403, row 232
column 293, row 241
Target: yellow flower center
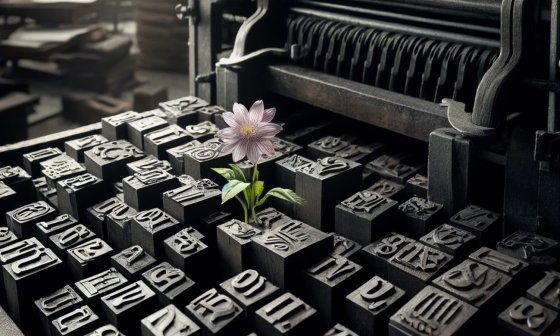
column 247, row 130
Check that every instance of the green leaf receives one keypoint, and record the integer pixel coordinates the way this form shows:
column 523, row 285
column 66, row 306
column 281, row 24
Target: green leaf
column 226, row 173
column 258, row 188
column 239, row 175
column 283, row 194
column 232, row 188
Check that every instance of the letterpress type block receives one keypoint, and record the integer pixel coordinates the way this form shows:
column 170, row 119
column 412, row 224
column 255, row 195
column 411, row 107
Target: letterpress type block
column 149, row 229
column 94, row 287
column 175, row 155
column 208, row 113
column 450, row 240
column 364, row 216
column 415, row 266
column 250, row 291
column 21, row 221
column 419, row 216
column 340, row 330
column 31, row 161
column 12, row 252
column 76, row 322
column 17, row 179
column 59, row 168
column 192, row 202
column 57, row 225
column 56, row 304
column 285, row 175
column 115, row 127
column 476, row 284
column 171, row 284
column 534, row 249
column 144, row 190
column 97, row 214
column 346, row 248
column 169, row 321
column 200, row 160
column 328, row 282
column 271, row 218
column 526, row 317
column 208, row 225
column 140, row 127
column 377, row 254
column 433, row 312
column 388, row 188
column 89, row 258
column 216, row 313
column 183, row 111
column 361, row 153
column 323, row 186
column 280, row 253
column 6, row 237
column 515, row 268
column 8, row 201
column 126, row 306
column 71, row 237
column 119, row 226
column 202, row 131
column 287, row 315
column 481, row 222
column 45, row 192
column 368, row 308
column 132, row 262
column 77, row 193
column 158, row 142
column 21, row 279
column 417, row 186
column 547, row 291
column 108, row 161
column 397, row 167
column 148, row 163
column 76, row 148
column 327, row 146
column 106, row 330
column 234, row 246
column 189, row 254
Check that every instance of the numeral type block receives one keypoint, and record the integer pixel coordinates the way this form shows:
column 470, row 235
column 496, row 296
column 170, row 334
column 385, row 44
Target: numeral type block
column 280, row 253
column 526, row 317
column 171, row 284
column 21, row 221
column 200, row 160
column 89, row 258
column 95, row 286
column 216, row 313
column 115, row 127
column 323, row 186
column 108, row 161
column 56, row 304
column 450, row 240
column 415, row 266
column 77, row 322
column 175, row 155
column 369, row 307
column 57, row 225
column 484, row 224
column 377, row 254
column 59, row 168
column 76, row 148
column 364, row 216
column 534, row 249
column 148, row 163
column 77, row 193
column 419, row 216
column 328, row 282
column 183, row 111
column 234, row 246
column 189, row 254
column 547, row 291
column 169, row 321
column 433, row 312
column 71, row 237
column 149, row 228
column 158, row 142
column 126, row 306
column 192, row 202
column 31, row 161
column 144, row 190
column 287, row 315
column 132, row 262
column 140, row 127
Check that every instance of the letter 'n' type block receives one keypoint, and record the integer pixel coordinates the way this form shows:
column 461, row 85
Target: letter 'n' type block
column 169, row 321
column 433, row 312
column 287, row 315
column 368, row 308
column 216, row 313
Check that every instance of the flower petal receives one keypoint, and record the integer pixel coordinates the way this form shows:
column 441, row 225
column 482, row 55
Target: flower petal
column 240, row 151
column 228, row 147
column 253, row 153
column 267, row 130
column 240, row 113
column 256, row 112
column 230, row 119
column 266, row 147
column 228, row 133
column 269, row 114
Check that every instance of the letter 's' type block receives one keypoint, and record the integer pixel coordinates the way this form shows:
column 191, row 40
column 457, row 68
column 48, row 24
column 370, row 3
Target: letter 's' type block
column 76, row 148
column 364, row 216
column 138, row 128
column 183, row 111
column 368, row 308
column 171, row 284
column 169, row 321
column 21, row 221
column 281, row 253
column 287, row 315
column 115, row 127
column 89, row 258
column 77, row 322
column 149, row 228
column 108, row 161
column 144, row 190
column 48, row 228
column 525, row 317
column 132, row 262
column 419, row 216
column 433, row 312
column 192, row 202
column 234, row 246
column 95, row 286
column 175, row 155
column 56, row 304
column 450, row 240
column 77, row 193
column 158, row 142
column 377, row 254
column 31, row 161
column 216, row 313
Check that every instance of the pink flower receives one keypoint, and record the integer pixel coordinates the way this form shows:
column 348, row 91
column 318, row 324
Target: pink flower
column 250, row 132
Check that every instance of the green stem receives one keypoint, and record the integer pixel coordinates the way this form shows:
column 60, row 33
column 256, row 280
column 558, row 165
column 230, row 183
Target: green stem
column 254, row 198
column 245, row 210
